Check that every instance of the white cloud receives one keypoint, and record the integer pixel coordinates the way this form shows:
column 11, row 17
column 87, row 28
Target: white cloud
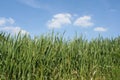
column 59, row 20
column 84, row 21
column 7, row 25
column 4, row 21
column 14, row 30
column 100, row 29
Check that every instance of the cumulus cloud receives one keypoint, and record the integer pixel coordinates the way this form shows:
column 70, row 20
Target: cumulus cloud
column 100, row 29
column 59, row 20
column 7, row 25
column 84, row 21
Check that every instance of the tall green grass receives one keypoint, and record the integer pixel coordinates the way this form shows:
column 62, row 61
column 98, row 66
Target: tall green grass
column 52, row 57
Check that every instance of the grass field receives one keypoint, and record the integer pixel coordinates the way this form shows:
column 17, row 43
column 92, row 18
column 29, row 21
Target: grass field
column 52, row 57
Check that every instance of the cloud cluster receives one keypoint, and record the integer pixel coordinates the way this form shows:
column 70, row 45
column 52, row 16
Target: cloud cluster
column 62, row 19
column 7, row 25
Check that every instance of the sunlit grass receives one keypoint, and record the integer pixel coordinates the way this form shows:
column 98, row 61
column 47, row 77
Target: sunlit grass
column 52, row 57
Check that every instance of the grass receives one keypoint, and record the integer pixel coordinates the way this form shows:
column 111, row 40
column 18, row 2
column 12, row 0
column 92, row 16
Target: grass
column 52, row 57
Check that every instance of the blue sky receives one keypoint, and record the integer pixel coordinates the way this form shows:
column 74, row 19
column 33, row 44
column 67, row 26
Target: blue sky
column 35, row 17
